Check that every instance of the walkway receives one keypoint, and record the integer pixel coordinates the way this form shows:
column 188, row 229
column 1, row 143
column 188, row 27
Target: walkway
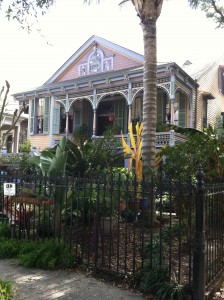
column 38, row 284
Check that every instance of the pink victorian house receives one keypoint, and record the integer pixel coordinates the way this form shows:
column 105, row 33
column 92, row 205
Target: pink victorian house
column 101, row 86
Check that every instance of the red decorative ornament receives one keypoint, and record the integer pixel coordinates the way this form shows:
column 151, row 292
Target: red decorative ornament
column 111, row 118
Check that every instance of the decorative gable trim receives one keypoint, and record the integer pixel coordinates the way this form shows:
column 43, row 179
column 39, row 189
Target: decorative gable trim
column 96, row 62
column 91, row 41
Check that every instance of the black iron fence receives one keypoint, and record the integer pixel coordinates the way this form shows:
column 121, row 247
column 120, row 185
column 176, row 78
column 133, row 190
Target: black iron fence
column 113, row 223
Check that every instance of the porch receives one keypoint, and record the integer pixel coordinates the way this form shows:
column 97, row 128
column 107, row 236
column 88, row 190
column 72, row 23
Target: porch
column 162, row 138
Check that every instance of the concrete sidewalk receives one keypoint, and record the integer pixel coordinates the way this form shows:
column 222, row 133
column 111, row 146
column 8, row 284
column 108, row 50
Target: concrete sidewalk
column 35, row 284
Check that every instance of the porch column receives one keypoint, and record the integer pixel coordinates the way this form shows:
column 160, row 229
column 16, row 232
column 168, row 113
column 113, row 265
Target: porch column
column 51, row 121
column 129, row 113
column 94, row 122
column 66, row 126
column 172, row 112
column 129, row 102
column 66, row 111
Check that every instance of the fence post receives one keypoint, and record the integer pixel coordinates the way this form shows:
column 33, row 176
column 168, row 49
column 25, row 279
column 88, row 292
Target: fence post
column 199, row 243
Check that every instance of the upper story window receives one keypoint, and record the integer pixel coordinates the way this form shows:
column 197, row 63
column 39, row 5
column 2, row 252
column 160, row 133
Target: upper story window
column 96, row 62
column 107, row 65
column 83, row 70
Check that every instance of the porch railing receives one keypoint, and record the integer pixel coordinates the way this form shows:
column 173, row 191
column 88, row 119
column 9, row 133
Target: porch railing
column 162, row 138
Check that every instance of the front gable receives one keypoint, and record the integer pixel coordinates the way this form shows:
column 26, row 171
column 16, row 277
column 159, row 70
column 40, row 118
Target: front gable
column 96, row 56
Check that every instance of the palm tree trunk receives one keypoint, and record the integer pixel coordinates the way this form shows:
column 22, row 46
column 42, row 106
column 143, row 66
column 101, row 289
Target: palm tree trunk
column 150, row 94
column 149, row 112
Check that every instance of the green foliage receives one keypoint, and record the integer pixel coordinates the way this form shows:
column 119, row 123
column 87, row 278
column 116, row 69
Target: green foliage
column 91, row 157
column 112, row 130
column 170, row 291
column 52, row 162
column 5, row 230
column 81, row 134
column 25, row 147
column 205, row 148
column 30, row 8
column 213, row 9
column 9, row 248
column 154, row 277
column 5, row 290
column 19, row 162
column 46, row 255
column 124, row 181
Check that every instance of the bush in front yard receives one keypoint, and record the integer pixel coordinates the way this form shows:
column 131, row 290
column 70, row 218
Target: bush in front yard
column 45, row 255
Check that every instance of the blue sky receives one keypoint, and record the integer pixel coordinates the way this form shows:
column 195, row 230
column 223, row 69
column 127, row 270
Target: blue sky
column 28, row 60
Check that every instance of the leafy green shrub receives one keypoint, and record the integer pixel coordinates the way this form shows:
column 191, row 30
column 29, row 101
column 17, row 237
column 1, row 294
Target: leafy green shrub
column 156, row 280
column 154, row 277
column 5, row 230
column 9, row 248
column 45, row 255
column 5, row 290
column 170, row 291
column 25, row 147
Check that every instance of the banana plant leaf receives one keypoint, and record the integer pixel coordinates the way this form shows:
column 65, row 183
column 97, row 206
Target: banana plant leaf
column 51, row 162
column 185, row 131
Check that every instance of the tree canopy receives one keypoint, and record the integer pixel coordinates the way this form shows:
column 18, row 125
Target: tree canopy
column 212, row 8
column 21, row 9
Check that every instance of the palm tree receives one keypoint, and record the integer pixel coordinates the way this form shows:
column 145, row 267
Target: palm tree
column 148, row 12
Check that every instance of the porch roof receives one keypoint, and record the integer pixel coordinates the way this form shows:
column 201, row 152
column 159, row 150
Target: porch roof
column 106, row 78
column 81, row 82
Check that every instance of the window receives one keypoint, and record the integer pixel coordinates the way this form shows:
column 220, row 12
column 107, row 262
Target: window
column 83, row 70
column 95, row 62
column 39, row 115
column 107, row 65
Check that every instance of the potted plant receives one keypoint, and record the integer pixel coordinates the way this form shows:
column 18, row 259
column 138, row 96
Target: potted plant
column 112, row 129
column 25, row 147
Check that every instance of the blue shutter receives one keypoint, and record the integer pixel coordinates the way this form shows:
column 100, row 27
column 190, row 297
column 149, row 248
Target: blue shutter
column 32, row 114
column 46, row 115
column 182, row 110
column 56, row 118
column 121, row 114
